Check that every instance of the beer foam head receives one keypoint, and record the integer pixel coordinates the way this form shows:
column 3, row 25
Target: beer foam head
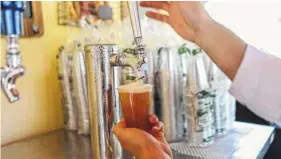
column 135, row 88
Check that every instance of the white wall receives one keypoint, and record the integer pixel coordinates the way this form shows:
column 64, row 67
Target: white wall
column 256, row 22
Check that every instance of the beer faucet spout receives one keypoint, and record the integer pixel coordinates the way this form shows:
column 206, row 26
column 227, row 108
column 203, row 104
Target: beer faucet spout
column 8, row 80
column 12, row 70
column 12, row 15
column 128, row 58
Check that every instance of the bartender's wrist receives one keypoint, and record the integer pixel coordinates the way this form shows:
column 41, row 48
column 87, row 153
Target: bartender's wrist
column 202, row 27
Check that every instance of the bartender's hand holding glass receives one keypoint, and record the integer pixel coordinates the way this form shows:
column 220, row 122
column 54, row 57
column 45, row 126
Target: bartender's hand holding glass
column 144, row 145
column 140, row 133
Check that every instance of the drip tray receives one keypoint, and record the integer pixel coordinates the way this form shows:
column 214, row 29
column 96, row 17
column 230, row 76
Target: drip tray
column 243, row 141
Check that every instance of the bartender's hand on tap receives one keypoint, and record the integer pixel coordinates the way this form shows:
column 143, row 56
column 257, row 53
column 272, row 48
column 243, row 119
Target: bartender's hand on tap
column 141, row 144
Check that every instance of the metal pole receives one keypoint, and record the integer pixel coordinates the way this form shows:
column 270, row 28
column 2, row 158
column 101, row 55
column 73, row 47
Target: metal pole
column 103, row 100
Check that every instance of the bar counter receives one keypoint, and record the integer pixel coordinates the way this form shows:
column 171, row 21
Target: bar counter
column 245, row 140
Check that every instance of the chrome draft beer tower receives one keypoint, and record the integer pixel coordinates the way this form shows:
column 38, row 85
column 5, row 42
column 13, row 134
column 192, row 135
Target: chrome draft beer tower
column 103, row 65
column 12, row 27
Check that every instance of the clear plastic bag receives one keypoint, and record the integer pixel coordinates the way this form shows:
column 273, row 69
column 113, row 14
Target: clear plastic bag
column 224, row 103
column 199, row 102
column 80, row 90
column 65, row 79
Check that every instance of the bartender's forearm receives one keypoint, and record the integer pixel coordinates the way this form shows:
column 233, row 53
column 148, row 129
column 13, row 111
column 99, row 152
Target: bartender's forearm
column 223, row 46
column 257, row 76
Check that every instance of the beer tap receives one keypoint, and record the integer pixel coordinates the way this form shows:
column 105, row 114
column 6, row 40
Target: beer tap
column 12, row 27
column 137, row 57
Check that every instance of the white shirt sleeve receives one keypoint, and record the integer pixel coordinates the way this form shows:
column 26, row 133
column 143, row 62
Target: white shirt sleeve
column 257, row 84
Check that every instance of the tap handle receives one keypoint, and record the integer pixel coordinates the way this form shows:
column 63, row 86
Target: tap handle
column 135, row 20
column 18, row 21
column 12, row 17
column 6, row 15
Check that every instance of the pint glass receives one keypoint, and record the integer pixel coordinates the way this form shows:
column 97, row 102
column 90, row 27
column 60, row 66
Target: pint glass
column 136, row 100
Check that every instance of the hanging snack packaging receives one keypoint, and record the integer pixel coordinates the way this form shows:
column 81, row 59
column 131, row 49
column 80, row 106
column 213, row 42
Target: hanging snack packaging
column 80, row 89
column 200, row 109
column 64, row 60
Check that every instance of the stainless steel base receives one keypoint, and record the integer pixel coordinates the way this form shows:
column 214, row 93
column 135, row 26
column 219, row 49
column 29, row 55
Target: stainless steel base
column 245, row 141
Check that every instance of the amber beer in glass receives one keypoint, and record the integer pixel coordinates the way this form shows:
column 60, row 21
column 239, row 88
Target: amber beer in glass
column 136, row 100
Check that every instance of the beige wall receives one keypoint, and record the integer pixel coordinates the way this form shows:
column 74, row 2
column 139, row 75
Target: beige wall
column 39, row 108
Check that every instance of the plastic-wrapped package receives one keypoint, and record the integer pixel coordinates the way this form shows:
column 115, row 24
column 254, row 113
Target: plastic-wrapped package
column 184, row 55
column 218, row 86
column 179, row 93
column 224, row 103
column 79, row 89
column 166, row 94
column 229, row 100
column 199, row 107
column 64, row 75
